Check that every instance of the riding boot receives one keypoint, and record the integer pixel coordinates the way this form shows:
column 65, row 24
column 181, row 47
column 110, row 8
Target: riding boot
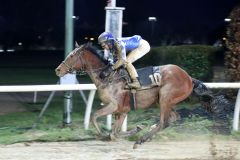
column 135, row 84
column 133, row 74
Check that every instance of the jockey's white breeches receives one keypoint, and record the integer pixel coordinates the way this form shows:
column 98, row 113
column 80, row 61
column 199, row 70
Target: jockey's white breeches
column 137, row 53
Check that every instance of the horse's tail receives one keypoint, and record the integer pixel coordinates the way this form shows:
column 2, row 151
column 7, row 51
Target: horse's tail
column 210, row 102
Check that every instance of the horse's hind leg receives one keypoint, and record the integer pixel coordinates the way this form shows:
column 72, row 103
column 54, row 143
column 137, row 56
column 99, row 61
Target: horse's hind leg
column 166, row 109
column 116, row 132
column 131, row 132
column 174, row 116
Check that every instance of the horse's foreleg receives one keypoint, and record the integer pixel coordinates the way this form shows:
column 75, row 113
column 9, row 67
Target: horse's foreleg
column 118, row 123
column 108, row 109
column 116, row 132
column 119, row 118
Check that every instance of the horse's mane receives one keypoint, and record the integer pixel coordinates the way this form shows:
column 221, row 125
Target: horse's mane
column 93, row 49
column 100, row 54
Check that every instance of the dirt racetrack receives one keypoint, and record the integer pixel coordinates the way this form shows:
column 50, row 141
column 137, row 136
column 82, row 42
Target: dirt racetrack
column 122, row 150
column 116, row 150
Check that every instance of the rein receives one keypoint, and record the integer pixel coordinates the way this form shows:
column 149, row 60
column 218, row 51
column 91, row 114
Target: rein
column 86, row 68
column 83, row 72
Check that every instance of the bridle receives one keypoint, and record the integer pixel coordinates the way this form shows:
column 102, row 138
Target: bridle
column 70, row 68
column 81, row 71
column 84, row 65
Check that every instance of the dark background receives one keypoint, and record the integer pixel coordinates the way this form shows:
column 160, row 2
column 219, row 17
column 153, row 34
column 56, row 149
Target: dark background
column 41, row 23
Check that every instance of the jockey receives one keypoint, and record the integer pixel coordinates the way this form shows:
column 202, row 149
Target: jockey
column 135, row 46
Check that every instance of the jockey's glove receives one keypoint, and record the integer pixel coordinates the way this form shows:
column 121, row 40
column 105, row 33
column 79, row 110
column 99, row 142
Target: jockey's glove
column 119, row 63
column 106, row 72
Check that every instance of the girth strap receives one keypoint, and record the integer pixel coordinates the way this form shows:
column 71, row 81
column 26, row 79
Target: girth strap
column 133, row 100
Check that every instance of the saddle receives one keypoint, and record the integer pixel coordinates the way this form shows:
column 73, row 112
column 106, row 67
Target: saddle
column 148, row 76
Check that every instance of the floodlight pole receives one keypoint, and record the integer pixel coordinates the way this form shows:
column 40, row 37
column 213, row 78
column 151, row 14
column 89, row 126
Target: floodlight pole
column 113, row 24
column 68, row 48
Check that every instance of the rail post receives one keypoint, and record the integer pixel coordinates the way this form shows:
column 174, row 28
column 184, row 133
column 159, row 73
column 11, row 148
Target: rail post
column 68, row 47
column 236, row 112
column 113, row 24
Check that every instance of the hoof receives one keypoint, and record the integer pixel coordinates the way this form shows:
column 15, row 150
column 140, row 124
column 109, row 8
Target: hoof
column 135, row 146
column 103, row 137
column 140, row 127
column 152, row 127
column 106, row 138
column 112, row 137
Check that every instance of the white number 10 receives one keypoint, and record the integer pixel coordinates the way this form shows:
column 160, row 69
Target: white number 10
column 155, row 78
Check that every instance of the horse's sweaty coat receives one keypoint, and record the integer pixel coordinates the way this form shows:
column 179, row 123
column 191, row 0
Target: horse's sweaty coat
column 173, row 86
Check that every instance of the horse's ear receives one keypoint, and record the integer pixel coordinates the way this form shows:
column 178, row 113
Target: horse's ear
column 76, row 45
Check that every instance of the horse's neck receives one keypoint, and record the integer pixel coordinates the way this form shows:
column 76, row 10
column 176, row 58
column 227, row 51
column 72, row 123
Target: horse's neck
column 94, row 67
column 95, row 78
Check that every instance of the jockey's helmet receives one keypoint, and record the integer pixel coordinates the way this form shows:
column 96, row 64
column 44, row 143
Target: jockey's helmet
column 105, row 37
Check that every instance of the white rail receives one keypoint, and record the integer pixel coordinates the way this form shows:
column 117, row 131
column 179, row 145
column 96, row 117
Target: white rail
column 92, row 88
column 39, row 88
column 57, row 87
column 223, row 85
column 237, row 104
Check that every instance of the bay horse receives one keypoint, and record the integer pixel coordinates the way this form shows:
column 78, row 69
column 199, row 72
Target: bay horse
column 175, row 86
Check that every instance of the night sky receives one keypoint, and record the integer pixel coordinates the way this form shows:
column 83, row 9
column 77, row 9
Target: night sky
column 42, row 21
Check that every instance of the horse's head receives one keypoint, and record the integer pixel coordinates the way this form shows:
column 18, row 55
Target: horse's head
column 71, row 63
column 79, row 59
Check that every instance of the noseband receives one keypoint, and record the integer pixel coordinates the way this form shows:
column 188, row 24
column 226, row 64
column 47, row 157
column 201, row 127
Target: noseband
column 69, row 68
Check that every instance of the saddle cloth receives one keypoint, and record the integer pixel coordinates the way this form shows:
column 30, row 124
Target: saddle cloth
column 149, row 76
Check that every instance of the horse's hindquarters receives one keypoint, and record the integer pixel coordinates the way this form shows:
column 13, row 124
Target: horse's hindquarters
column 145, row 98
column 176, row 84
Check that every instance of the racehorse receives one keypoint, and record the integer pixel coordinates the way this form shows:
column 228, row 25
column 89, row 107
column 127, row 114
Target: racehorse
column 174, row 85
